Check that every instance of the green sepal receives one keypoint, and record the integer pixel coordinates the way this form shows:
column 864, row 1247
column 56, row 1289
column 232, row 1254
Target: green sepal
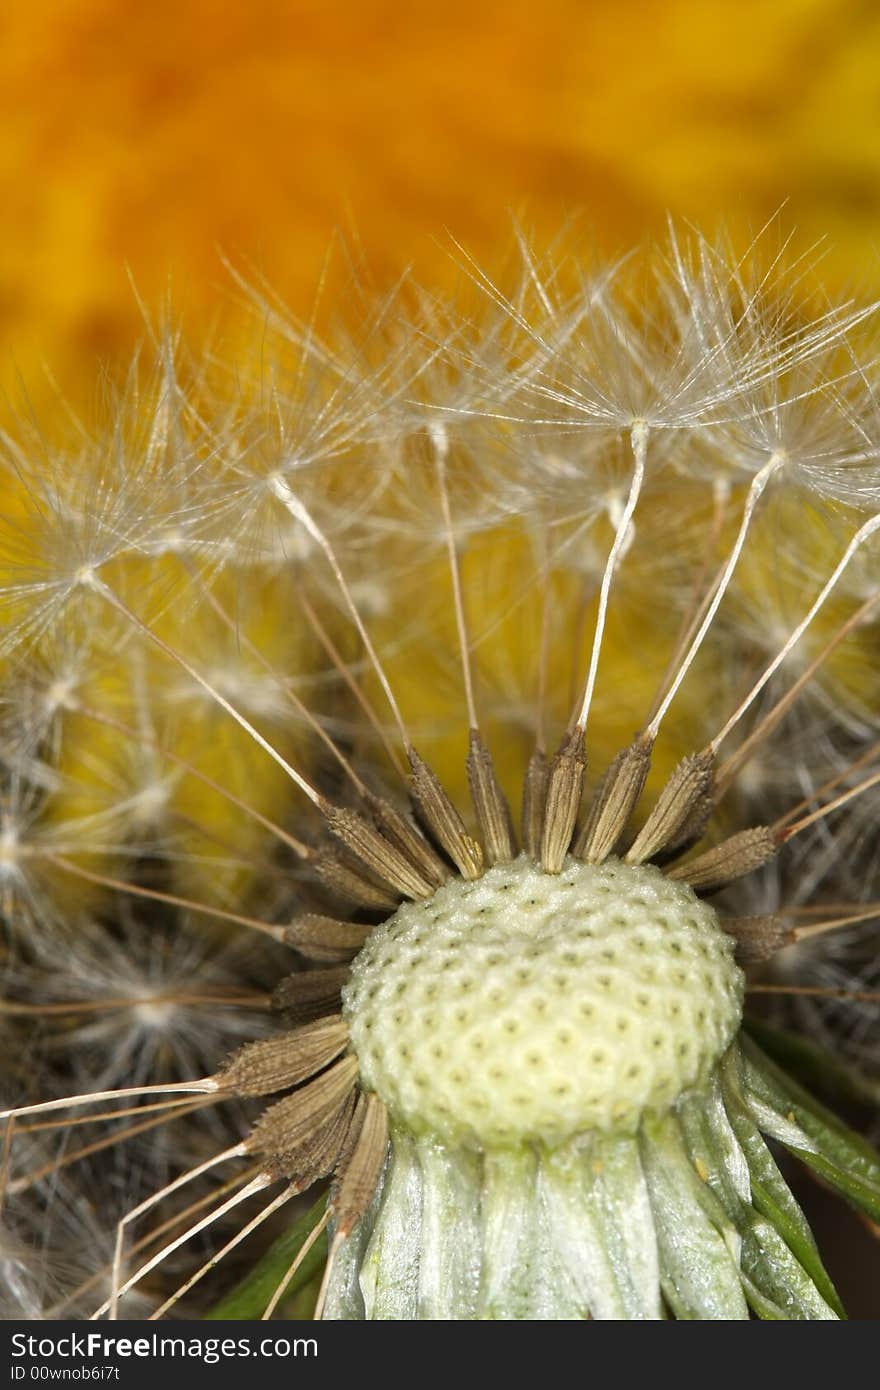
column 249, row 1299
column 776, row 1283
column 843, row 1158
column 699, row 1248
column 771, row 1195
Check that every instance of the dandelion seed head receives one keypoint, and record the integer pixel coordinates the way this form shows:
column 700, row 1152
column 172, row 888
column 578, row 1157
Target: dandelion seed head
column 472, row 1013
column 567, row 587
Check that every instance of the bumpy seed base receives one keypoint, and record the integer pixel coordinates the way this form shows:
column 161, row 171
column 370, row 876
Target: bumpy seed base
column 533, row 1007
column 662, row 1222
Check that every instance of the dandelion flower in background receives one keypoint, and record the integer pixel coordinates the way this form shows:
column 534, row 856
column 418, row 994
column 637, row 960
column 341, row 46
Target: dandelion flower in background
column 469, row 710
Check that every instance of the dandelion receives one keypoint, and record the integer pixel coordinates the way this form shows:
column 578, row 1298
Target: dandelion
column 505, row 676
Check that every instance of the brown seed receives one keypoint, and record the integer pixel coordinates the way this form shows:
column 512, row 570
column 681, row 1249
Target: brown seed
column 319, row 1152
column 564, row 785
column 442, row 819
column 614, row 802
column 373, row 850
column 490, row 803
column 693, row 828
column 273, row 1064
column 757, row 938
column 326, row 938
column 732, row 859
column 290, row 1122
column 359, row 1173
column 679, row 800
column 310, row 993
column 353, row 884
column 534, row 803
column 400, row 831
column 353, row 1133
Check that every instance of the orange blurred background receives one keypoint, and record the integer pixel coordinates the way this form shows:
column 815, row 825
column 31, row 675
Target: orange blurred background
column 139, row 141
column 143, row 138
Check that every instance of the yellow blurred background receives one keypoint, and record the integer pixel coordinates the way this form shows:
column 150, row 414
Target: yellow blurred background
column 141, row 138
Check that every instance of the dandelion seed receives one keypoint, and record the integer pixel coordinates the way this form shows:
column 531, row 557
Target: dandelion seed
column 514, row 1053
